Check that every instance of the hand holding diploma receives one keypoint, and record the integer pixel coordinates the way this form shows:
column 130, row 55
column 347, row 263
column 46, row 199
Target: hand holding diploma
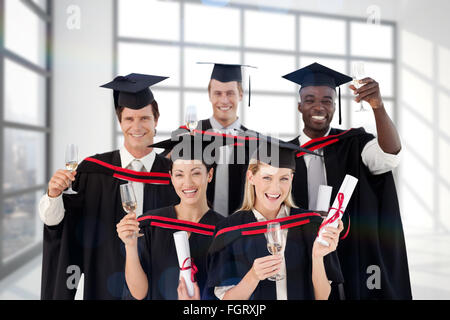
column 187, row 268
column 339, row 205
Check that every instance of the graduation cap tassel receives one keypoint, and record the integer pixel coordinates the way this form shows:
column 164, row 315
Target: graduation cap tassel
column 340, row 113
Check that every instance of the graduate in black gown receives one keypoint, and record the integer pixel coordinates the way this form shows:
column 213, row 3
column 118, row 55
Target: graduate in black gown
column 152, row 266
column 239, row 263
column 80, row 229
column 225, row 93
column 373, row 236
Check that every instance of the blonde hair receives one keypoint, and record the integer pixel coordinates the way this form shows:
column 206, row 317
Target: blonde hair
column 249, row 192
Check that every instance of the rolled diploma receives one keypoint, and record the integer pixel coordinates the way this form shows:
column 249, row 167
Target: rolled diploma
column 183, row 252
column 323, row 198
column 347, row 188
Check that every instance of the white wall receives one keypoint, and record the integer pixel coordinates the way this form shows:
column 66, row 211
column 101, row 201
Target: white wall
column 424, row 96
column 82, row 61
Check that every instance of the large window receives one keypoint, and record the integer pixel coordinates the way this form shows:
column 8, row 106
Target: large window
column 24, row 130
column 169, row 37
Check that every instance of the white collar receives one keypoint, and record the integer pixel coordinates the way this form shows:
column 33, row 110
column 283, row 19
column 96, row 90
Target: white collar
column 236, row 125
column 283, row 212
column 304, row 138
column 126, row 158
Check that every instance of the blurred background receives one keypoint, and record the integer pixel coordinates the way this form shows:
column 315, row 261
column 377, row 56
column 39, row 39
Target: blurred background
column 54, row 55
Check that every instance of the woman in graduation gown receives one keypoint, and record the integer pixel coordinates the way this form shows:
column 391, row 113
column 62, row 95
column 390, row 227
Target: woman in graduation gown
column 239, row 263
column 152, row 267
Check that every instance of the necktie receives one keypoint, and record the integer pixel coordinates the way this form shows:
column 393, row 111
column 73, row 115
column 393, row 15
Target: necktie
column 221, row 186
column 138, row 187
column 316, row 177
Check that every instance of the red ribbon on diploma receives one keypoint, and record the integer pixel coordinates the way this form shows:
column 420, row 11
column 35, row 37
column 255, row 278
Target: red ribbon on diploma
column 192, row 266
column 335, row 216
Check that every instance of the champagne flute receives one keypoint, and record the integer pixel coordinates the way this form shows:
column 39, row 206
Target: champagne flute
column 190, row 117
column 71, row 159
column 274, row 244
column 129, row 202
column 358, row 73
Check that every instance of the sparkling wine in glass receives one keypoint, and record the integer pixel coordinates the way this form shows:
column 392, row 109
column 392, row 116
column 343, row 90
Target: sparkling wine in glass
column 129, row 202
column 358, row 73
column 71, row 159
column 190, row 118
column 274, row 244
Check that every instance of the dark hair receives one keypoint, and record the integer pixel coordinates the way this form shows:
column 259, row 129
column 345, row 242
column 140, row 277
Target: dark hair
column 155, row 111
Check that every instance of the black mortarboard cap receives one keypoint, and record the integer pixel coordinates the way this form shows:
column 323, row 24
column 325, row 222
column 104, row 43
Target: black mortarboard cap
column 278, row 153
column 318, row 75
column 132, row 91
column 229, row 72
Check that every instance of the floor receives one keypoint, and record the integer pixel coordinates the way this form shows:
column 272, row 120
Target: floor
column 428, row 255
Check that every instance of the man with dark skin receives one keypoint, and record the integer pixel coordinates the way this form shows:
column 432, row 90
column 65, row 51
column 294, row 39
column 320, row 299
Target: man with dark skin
column 375, row 238
column 320, row 101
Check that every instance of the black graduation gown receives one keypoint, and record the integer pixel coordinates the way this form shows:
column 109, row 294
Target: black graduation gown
column 372, row 222
column 158, row 255
column 236, row 173
column 240, row 240
column 87, row 236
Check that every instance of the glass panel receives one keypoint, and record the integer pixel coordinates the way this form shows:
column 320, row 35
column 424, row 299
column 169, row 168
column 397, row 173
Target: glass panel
column 211, row 25
column 22, row 227
column 269, row 70
column 149, row 19
column 262, row 116
column 25, row 32
column 24, row 159
column 150, row 59
column 198, row 75
column 169, row 110
column 26, row 108
column 269, row 30
column 371, row 40
column 322, row 35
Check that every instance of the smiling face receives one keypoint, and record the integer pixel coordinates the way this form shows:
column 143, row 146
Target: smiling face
column 225, row 98
column 190, row 180
column 272, row 186
column 138, row 128
column 317, row 105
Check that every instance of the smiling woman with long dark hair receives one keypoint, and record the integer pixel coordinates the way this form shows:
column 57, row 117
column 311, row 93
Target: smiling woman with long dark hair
column 152, row 267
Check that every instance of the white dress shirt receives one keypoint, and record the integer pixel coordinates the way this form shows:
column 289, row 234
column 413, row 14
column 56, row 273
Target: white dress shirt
column 222, row 183
column 373, row 157
column 51, row 210
column 281, row 285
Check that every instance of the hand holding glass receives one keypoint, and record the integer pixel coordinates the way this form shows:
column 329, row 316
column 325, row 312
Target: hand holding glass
column 129, row 202
column 275, row 244
column 71, row 158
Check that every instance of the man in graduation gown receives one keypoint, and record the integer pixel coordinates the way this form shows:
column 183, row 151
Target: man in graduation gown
column 225, row 93
column 373, row 255
column 80, row 229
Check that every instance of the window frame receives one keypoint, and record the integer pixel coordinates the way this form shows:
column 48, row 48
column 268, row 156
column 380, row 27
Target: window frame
column 11, row 264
